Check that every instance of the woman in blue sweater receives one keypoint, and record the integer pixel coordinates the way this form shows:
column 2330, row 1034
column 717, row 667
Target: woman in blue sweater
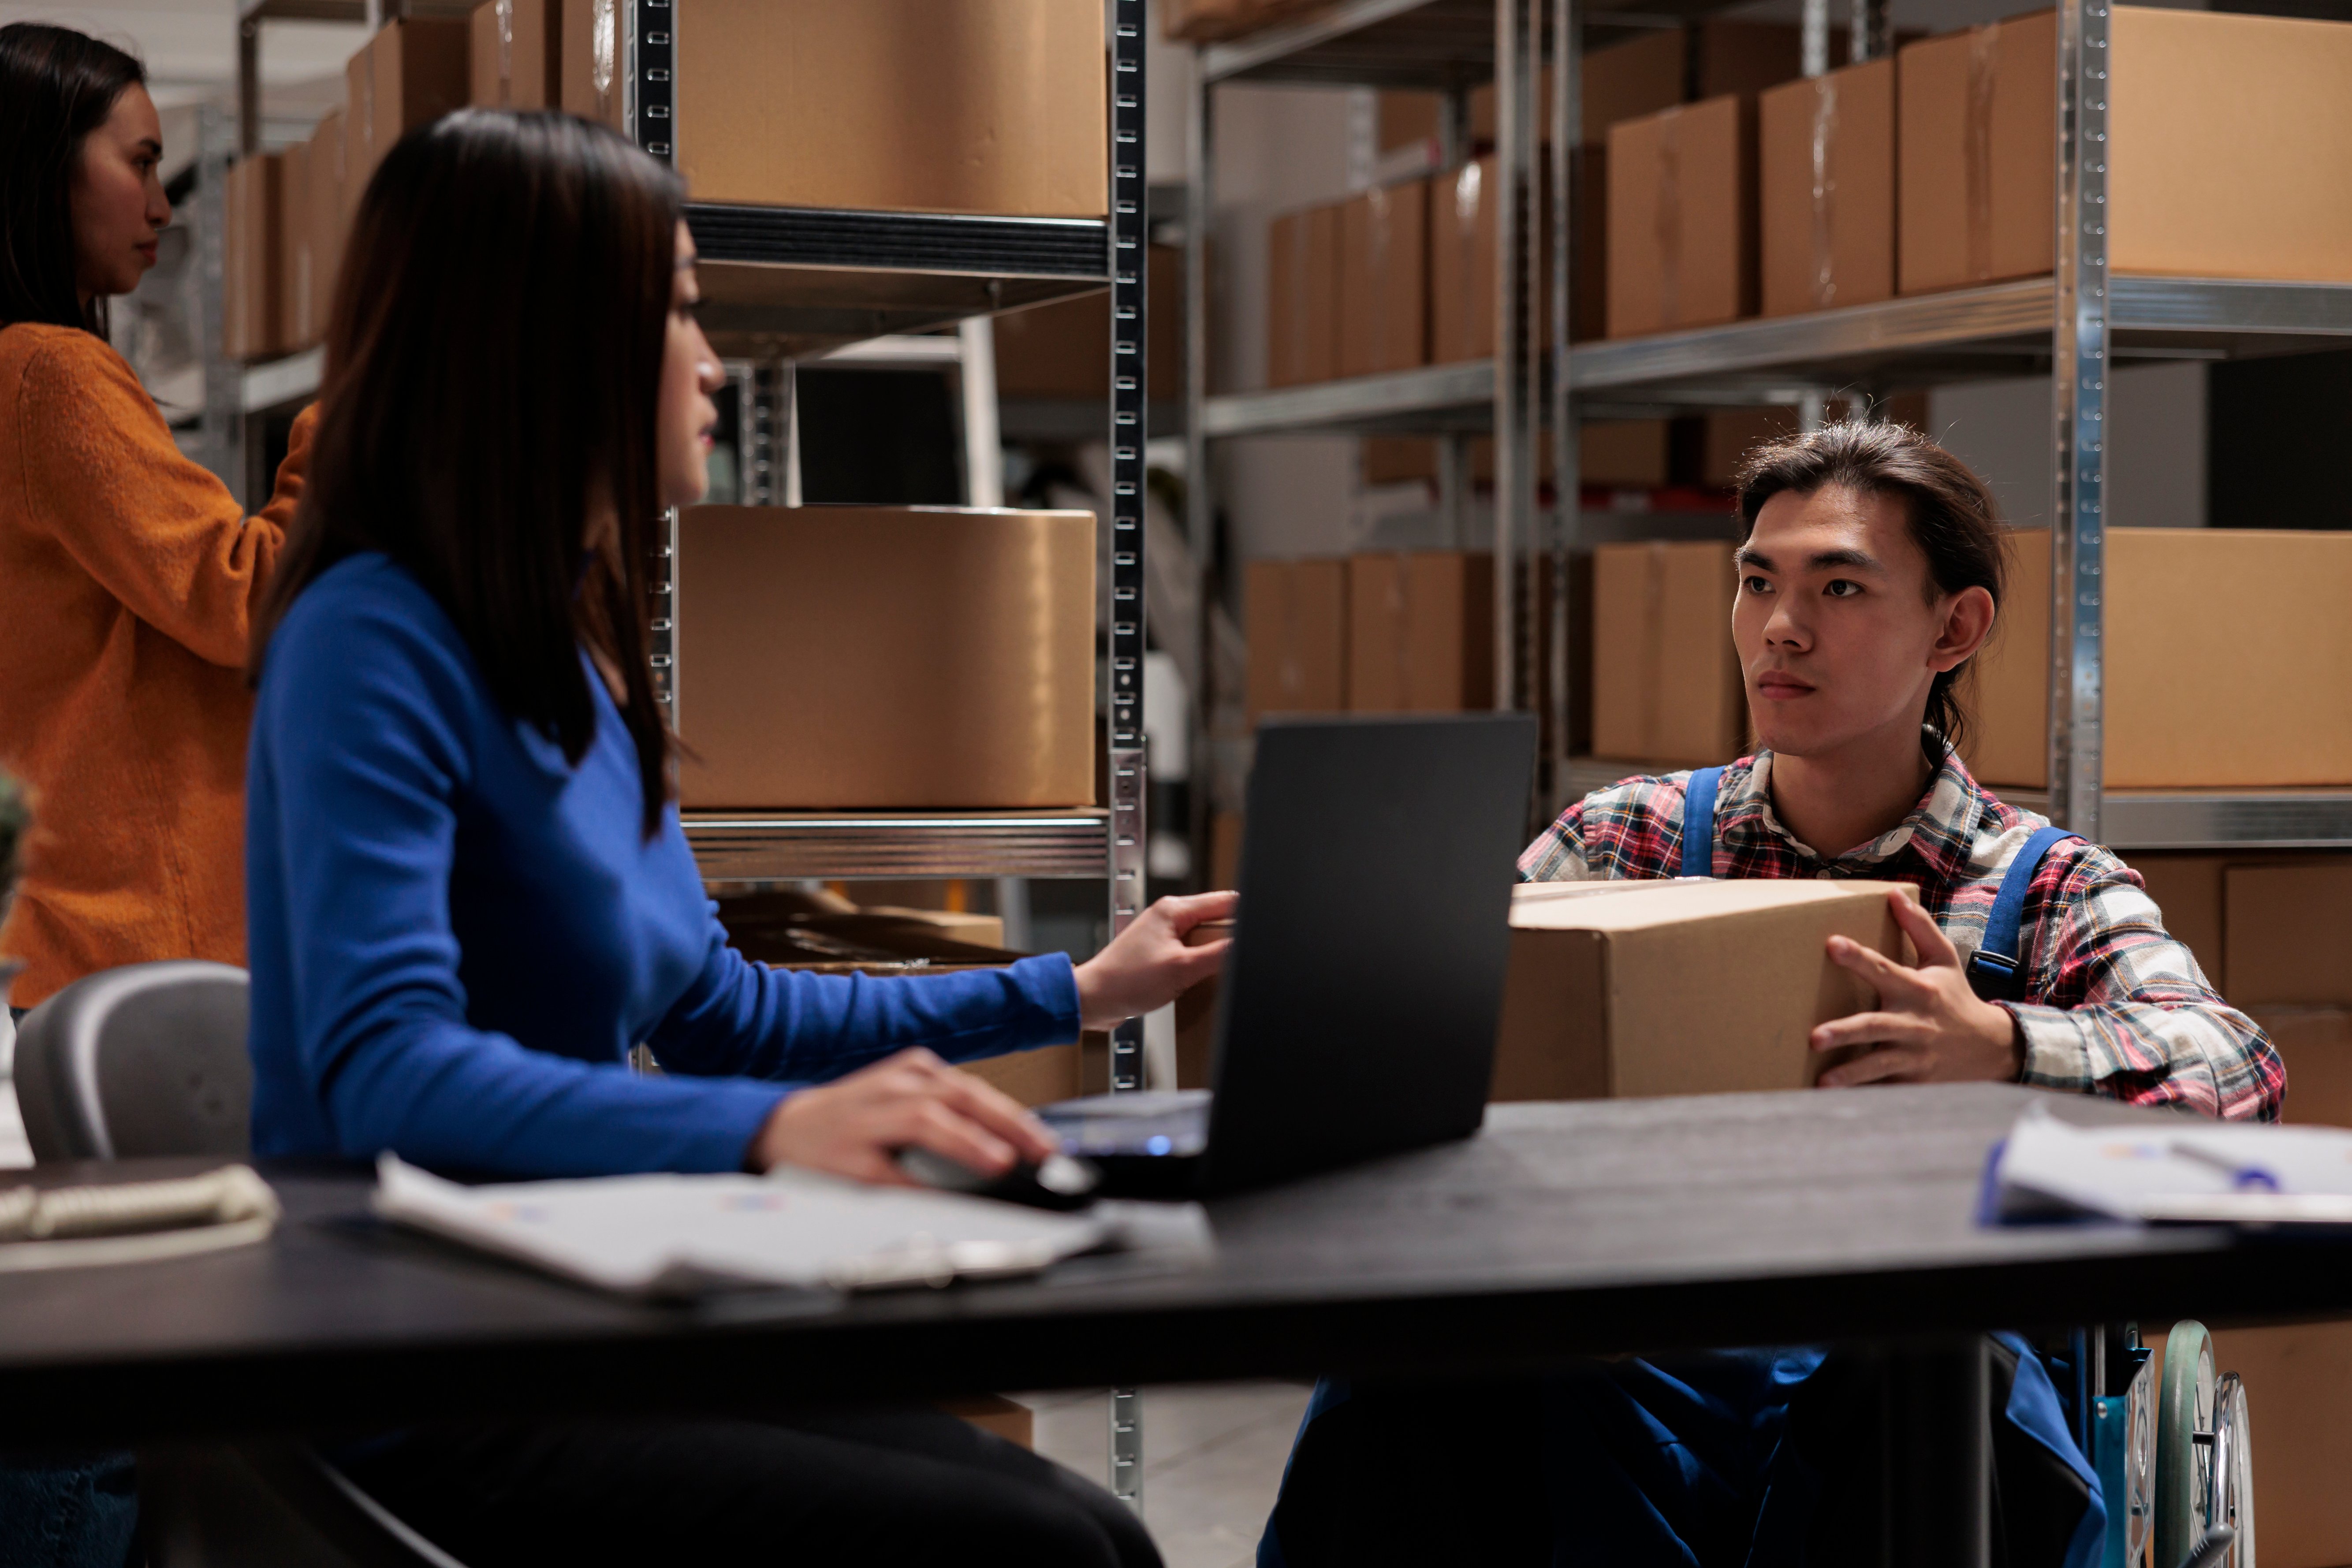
column 468, row 893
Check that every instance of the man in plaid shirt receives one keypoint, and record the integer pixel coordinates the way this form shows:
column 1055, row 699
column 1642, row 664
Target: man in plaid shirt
column 2119, row 1006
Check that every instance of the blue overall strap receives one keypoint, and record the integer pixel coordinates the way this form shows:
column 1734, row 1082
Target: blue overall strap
column 1698, row 822
column 1997, row 972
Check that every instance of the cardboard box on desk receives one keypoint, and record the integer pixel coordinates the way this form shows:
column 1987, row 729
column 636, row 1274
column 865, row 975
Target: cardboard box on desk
column 252, row 260
column 1825, row 184
column 2229, row 661
column 1666, row 687
column 1682, row 217
column 1302, row 307
column 2229, row 149
column 950, row 106
column 886, row 657
column 409, row 75
column 1630, row 990
column 1385, row 280
column 1421, row 632
column 1295, row 619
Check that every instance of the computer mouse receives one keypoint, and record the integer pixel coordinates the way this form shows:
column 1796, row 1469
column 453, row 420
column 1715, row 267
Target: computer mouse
column 1058, row 1182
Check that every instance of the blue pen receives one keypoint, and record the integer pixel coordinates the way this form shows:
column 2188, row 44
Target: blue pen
column 2242, row 1178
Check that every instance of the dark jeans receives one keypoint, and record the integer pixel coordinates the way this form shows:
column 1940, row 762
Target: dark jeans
column 870, row 1487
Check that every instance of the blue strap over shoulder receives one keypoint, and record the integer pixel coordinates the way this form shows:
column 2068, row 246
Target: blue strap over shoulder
column 1997, row 972
column 1698, row 822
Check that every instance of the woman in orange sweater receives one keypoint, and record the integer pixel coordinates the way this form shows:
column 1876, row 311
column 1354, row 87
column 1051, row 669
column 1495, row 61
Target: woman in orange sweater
column 128, row 573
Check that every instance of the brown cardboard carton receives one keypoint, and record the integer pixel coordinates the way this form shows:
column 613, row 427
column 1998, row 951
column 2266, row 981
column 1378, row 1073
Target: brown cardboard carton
column 1385, row 280
column 1295, row 618
column 1666, row 677
column 1682, row 208
column 992, row 1413
column 588, row 56
column 1302, row 316
column 1463, row 236
column 2316, row 1044
column 2203, row 110
column 2229, row 661
column 1619, row 454
column 516, row 61
column 886, row 657
column 1196, row 1010
column 2188, row 891
column 1409, row 119
column 1421, row 632
column 950, row 106
column 1039, row 1077
column 252, row 317
column 294, row 248
column 1063, row 350
column 1679, row 987
column 2287, row 932
column 2298, row 1379
column 409, row 75
column 329, row 217
column 1825, row 173
column 1622, row 81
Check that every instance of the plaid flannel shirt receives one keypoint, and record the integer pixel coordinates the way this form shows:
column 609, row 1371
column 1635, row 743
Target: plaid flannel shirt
column 2114, row 1005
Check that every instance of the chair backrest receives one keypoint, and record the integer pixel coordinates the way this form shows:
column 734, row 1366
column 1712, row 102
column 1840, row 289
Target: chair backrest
column 147, row 1060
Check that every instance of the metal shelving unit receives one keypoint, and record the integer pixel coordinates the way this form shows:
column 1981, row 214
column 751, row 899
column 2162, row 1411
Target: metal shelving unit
column 2071, row 325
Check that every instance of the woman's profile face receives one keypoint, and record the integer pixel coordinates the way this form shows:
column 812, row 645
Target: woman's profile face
column 690, row 374
column 119, row 207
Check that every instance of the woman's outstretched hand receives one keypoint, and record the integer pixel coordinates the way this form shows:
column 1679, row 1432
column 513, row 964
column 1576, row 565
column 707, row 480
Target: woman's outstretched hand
column 1148, row 965
column 1930, row 1026
column 855, row 1126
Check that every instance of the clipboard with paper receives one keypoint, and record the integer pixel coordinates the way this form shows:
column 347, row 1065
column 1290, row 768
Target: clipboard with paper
column 2199, row 1173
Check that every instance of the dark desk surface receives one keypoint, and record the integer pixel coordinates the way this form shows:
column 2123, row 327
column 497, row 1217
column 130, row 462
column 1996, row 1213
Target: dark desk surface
column 1563, row 1229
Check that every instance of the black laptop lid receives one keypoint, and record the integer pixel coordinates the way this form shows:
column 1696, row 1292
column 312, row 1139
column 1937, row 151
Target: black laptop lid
column 1358, row 1008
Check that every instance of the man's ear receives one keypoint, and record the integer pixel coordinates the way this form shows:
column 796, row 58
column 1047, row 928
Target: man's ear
column 1967, row 623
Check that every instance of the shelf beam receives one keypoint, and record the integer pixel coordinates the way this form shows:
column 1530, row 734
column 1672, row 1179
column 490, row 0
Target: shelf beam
column 763, row 847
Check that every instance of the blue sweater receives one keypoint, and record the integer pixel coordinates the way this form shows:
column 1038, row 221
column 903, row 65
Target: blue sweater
column 456, row 937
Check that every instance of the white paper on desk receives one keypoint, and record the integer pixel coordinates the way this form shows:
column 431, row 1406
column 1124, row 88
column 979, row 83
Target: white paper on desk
column 2053, row 1169
column 680, row 1235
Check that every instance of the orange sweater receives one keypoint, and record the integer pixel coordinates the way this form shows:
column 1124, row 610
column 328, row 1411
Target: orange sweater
column 128, row 580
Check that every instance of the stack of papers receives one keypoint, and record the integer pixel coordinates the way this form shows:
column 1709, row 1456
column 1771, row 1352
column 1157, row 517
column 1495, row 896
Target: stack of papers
column 667, row 1236
column 2200, row 1172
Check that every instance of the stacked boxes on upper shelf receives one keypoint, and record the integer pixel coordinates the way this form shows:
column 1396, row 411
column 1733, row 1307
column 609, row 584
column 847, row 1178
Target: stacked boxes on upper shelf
column 1380, row 631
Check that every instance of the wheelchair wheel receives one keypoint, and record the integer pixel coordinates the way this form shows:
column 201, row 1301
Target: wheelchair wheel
column 2184, row 1453
column 2234, row 1469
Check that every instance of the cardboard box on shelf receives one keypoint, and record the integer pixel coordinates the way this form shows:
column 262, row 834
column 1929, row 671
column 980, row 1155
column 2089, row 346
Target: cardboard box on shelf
column 1406, row 119
column 294, row 282
column 2229, row 149
column 2287, row 931
column 1629, row 990
column 946, row 106
column 1063, row 350
column 1295, row 619
column 1302, row 307
column 2229, row 661
column 1682, row 217
column 1462, row 240
column 2316, row 1044
column 1206, row 21
column 1385, row 280
column 887, row 658
column 2188, row 892
column 1825, row 182
column 1666, row 686
column 1619, row 454
column 517, row 54
column 588, row 53
column 1622, row 81
column 2298, row 1379
column 1196, row 1010
column 409, row 75
column 252, row 314
column 329, row 217
column 1421, row 632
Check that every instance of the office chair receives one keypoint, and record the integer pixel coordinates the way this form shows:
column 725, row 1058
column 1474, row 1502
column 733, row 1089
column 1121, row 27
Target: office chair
column 149, row 1060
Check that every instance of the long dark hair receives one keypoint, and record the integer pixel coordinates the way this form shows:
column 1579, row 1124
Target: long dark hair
column 1953, row 518
column 493, row 365
column 56, row 86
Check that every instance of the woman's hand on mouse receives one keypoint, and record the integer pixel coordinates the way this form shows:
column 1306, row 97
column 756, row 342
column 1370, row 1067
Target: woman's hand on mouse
column 855, row 1126
column 1146, row 965
column 1930, row 1026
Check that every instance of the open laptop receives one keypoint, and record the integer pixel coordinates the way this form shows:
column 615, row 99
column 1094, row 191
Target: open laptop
column 1357, row 1011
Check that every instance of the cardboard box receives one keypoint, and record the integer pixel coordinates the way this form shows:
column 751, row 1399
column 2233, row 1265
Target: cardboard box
column 1205, row 21
column 252, row 261
column 1619, row 454
column 1421, row 632
column 588, row 56
column 1462, row 237
column 2298, row 1379
column 517, row 54
column 1622, row 81
column 1629, row 990
column 994, row 1414
column 1295, row 618
column 2287, row 932
column 2315, row 1043
column 1978, row 125
column 1825, row 173
column 409, row 75
column 1385, row 280
column 1666, row 686
column 1196, row 1010
column 1302, row 307
column 2229, row 661
column 1682, row 211
column 886, row 657
column 328, row 214
column 1063, row 350
column 2188, row 891
column 1408, row 118
column 949, row 106
column 294, row 279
